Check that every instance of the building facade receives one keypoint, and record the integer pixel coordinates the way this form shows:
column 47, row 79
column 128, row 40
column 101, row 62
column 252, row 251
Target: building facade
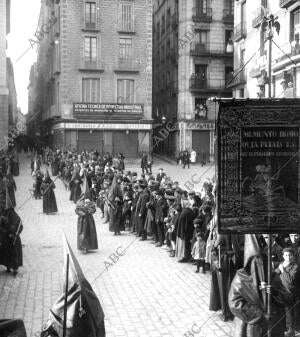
column 94, row 75
column 250, row 45
column 192, row 62
column 4, row 92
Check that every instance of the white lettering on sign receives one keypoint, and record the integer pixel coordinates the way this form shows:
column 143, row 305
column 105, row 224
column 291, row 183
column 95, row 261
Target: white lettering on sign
column 102, row 126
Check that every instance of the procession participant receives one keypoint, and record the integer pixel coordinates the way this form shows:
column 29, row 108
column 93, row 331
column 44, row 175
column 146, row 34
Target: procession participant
column 37, row 176
column 141, row 211
column 184, row 232
column 276, row 250
column 11, row 228
column 161, row 209
column 248, row 295
column 115, row 199
column 86, row 229
column 10, row 185
column 289, row 273
column 74, row 185
column 106, row 187
column 49, row 200
column 15, row 167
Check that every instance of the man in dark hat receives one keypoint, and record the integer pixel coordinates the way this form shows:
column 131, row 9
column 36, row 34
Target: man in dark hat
column 141, row 210
column 160, row 175
column 161, row 210
column 289, row 273
column 134, row 216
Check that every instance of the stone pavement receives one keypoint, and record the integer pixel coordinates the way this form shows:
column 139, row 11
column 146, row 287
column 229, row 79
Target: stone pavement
column 144, row 293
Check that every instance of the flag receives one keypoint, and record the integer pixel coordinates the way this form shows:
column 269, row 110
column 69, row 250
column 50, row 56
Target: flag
column 85, row 316
column 12, row 327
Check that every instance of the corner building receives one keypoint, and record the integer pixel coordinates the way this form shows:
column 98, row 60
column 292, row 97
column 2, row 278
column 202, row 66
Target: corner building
column 252, row 81
column 95, row 75
column 192, row 62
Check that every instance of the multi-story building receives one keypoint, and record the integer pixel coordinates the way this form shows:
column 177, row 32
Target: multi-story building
column 8, row 97
column 192, row 62
column 95, row 66
column 251, row 49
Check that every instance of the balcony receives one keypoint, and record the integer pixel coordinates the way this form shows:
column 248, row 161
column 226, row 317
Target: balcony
column 258, row 16
column 286, row 3
column 202, row 14
column 126, row 26
column 127, row 65
column 91, row 65
column 204, row 85
column 240, row 32
column 228, row 16
column 232, row 81
column 209, row 49
column 175, row 20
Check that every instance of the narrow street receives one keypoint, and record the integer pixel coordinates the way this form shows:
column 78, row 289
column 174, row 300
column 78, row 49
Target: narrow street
column 144, row 293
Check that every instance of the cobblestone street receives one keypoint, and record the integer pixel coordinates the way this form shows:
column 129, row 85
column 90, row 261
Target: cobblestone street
column 144, row 293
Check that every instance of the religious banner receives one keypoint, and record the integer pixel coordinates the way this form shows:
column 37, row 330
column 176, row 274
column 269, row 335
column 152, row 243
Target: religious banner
column 258, row 166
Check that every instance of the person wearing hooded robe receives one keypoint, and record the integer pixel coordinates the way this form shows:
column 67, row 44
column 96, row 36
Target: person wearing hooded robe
column 86, row 229
column 10, row 229
column 115, row 205
column 247, row 297
column 10, row 185
column 49, row 200
column 74, row 185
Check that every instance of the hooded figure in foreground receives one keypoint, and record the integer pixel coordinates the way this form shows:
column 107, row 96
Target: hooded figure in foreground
column 85, row 316
column 49, row 200
column 248, row 295
column 86, row 229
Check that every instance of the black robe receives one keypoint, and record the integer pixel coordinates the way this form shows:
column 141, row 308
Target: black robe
column 115, row 217
column 11, row 186
column 75, row 189
column 10, row 243
column 86, row 229
column 185, row 229
column 49, row 201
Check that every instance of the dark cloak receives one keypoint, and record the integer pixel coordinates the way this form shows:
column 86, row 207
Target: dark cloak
column 49, row 200
column 86, row 229
column 75, row 187
column 115, row 217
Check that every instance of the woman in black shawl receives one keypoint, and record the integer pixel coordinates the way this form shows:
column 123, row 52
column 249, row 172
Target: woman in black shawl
column 75, row 186
column 49, row 201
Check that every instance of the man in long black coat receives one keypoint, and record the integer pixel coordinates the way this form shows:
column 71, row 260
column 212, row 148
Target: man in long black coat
column 141, row 211
column 161, row 209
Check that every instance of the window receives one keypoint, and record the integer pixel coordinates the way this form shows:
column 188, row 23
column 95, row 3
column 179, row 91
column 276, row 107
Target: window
column 168, row 17
column 126, row 91
column 90, row 15
column 90, row 49
column 202, row 5
column 163, row 53
column 201, row 37
column 91, row 90
column 229, row 6
column 126, row 17
column 163, row 24
column 125, row 50
column 201, row 71
column 295, row 25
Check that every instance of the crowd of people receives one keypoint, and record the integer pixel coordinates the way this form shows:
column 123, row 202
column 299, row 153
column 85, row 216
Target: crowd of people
column 157, row 210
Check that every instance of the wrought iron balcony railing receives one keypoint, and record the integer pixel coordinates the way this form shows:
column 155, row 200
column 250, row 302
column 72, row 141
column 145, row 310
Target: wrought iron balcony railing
column 209, row 49
column 201, row 14
column 240, row 31
column 228, row 16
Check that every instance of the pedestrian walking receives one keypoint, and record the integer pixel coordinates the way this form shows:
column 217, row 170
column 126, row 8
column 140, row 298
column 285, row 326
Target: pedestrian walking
column 186, row 159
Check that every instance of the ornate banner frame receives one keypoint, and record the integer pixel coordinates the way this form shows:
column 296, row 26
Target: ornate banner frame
column 258, row 166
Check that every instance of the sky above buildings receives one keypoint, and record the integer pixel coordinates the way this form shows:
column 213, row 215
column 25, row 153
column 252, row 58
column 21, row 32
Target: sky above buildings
column 23, row 23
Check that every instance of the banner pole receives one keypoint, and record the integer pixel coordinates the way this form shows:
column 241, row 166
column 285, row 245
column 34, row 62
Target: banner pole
column 269, row 292
column 66, row 299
